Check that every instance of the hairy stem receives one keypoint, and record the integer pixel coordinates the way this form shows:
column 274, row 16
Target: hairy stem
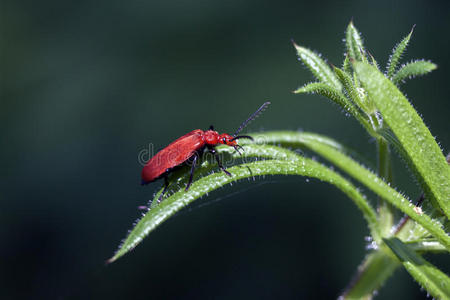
column 376, row 268
column 385, row 209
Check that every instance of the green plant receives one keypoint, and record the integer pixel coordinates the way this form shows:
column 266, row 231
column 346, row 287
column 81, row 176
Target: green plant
column 374, row 99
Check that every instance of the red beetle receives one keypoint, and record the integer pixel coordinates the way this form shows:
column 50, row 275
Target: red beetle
column 188, row 148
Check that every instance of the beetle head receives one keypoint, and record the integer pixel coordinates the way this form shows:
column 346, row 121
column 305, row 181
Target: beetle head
column 227, row 139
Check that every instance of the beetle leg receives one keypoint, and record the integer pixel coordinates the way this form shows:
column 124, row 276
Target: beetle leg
column 194, row 162
column 211, row 127
column 237, row 147
column 213, row 151
column 166, row 185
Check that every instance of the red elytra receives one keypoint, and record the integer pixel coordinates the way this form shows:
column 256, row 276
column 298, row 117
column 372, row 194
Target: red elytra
column 188, row 148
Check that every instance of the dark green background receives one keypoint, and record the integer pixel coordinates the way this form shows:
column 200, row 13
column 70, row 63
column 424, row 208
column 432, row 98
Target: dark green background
column 86, row 85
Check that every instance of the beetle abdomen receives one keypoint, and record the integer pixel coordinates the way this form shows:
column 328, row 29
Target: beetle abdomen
column 173, row 155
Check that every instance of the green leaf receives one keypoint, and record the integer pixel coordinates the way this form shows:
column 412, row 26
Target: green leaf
column 333, row 152
column 349, row 86
column 414, row 137
column 373, row 61
column 329, row 92
column 397, row 54
column 372, row 126
column 426, row 246
column 354, row 43
column 336, row 96
column 285, row 162
column 318, row 67
column 376, row 268
column 346, row 66
column 413, row 69
column 428, row 276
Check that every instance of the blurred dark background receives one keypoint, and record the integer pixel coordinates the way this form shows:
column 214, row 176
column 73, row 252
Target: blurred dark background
column 86, row 85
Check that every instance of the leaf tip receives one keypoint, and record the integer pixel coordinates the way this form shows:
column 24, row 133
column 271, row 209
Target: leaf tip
column 110, row 260
column 298, row 91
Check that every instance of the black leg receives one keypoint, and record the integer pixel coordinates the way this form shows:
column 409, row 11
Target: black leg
column 166, row 185
column 237, row 149
column 211, row 127
column 213, row 151
column 194, row 163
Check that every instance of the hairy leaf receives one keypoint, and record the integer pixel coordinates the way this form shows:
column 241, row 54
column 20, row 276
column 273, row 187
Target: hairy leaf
column 428, row 276
column 413, row 69
column 397, row 54
column 284, row 163
column 349, row 86
column 411, row 132
column 373, row 61
column 329, row 92
column 354, row 43
column 426, row 246
column 332, row 151
column 346, row 65
column 336, row 96
column 318, row 67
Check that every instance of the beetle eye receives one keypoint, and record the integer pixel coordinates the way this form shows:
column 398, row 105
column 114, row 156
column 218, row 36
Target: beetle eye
column 224, row 141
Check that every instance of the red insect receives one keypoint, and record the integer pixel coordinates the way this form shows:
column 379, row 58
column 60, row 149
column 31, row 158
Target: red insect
column 189, row 147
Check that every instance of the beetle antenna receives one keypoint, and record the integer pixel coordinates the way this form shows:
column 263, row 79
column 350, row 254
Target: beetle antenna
column 252, row 117
column 241, row 137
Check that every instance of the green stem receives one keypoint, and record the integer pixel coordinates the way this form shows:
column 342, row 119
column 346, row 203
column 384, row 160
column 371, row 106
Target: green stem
column 384, row 163
column 384, row 171
column 376, row 268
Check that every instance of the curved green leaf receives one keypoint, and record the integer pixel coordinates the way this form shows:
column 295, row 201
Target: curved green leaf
column 292, row 164
column 413, row 135
column 337, row 97
column 428, row 276
column 228, row 155
column 413, row 69
column 318, row 67
column 397, row 54
column 426, row 246
column 335, row 153
column 329, row 92
column 354, row 43
column 373, row 61
column 346, row 66
column 349, row 86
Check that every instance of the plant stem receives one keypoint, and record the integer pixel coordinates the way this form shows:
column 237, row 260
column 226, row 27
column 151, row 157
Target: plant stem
column 376, row 268
column 406, row 218
column 385, row 210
